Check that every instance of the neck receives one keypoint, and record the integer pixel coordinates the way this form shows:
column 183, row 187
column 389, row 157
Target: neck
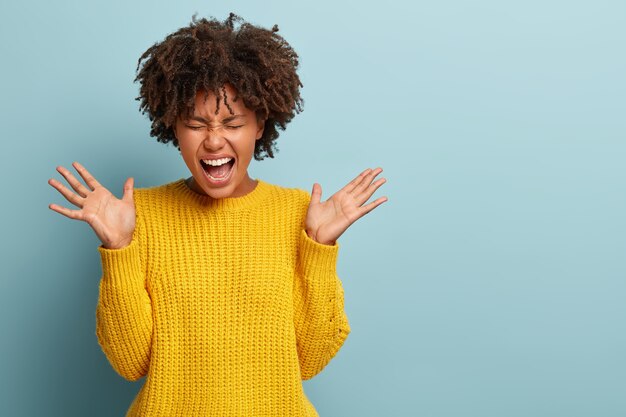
column 203, row 201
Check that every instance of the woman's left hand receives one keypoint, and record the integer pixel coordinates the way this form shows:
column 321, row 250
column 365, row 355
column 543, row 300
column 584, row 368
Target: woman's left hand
column 326, row 221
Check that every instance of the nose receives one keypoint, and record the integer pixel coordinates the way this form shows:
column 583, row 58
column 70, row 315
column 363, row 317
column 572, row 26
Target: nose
column 213, row 140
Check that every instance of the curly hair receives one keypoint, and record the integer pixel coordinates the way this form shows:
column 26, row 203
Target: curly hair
column 257, row 62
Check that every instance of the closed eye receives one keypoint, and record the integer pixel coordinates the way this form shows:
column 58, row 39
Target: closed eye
column 202, row 127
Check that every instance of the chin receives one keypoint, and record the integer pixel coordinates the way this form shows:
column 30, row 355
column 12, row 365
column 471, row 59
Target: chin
column 216, row 191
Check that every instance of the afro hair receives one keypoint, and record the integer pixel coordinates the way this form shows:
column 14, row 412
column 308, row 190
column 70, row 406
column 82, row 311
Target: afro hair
column 259, row 64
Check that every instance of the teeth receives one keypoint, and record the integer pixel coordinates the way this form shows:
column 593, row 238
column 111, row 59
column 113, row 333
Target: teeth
column 216, row 162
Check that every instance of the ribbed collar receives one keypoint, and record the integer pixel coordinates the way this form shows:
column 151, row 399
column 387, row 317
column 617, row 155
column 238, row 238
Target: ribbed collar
column 203, row 201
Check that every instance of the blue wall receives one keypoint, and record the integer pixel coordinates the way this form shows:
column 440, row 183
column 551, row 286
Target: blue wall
column 492, row 283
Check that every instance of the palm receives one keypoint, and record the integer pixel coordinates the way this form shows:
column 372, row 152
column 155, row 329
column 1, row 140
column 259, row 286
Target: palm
column 326, row 221
column 112, row 219
column 332, row 217
column 107, row 215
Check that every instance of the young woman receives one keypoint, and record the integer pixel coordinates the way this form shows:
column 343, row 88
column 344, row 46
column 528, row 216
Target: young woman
column 220, row 289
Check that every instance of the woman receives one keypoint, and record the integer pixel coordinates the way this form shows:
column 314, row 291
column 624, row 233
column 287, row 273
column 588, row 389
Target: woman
column 220, row 289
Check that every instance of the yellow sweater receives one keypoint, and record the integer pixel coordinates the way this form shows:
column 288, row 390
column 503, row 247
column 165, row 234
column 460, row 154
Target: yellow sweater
column 225, row 305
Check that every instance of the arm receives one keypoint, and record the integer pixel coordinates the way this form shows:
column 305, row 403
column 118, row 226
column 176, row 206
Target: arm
column 123, row 313
column 124, row 310
column 320, row 320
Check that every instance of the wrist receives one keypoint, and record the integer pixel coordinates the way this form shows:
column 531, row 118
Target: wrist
column 117, row 245
column 313, row 237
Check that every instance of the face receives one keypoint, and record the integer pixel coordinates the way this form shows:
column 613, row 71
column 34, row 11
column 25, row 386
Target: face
column 207, row 140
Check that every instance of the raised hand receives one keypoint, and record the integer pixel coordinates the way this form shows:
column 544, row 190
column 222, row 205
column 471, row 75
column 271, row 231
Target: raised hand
column 112, row 219
column 326, row 221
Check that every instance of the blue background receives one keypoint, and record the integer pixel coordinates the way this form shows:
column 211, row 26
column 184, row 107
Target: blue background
column 492, row 283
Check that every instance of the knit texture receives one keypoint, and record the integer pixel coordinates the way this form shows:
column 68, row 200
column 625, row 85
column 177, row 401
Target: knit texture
column 224, row 305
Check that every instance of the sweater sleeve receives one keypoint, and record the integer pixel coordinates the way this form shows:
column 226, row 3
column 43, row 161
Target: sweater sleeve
column 320, row 320
column 124, row 310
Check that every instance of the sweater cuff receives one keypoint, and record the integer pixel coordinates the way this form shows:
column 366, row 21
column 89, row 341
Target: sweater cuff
column 121, row 264
column 317, row 258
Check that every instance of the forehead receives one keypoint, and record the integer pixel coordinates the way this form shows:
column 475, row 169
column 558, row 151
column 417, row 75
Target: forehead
column 206, row 103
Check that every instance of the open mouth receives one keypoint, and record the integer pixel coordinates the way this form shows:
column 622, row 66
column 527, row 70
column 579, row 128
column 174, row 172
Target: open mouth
column 218, row 172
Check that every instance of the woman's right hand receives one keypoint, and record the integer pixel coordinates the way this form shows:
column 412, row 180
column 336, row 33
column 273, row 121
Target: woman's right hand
column 112, row 219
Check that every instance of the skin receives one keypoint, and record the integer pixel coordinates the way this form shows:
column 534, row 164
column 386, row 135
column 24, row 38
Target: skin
column 113, row 219
column 207, row 133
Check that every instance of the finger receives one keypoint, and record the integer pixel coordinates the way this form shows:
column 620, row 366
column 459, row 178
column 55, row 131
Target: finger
column 316, row 194
column 89, row 179
column 69, row 196
column 367, row 193
column 128, row 189
column 371, row 206
column 367, row 180
column 76, row 185
column 72, row 214
column 350, row 187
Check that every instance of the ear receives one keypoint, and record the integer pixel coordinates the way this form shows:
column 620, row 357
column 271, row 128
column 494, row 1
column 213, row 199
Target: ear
column 261, row 128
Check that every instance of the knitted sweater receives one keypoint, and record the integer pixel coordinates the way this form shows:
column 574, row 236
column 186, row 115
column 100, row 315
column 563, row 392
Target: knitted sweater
column 225, row 305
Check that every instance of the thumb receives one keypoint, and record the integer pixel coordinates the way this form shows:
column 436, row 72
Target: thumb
column 316, row 194
column 128, row 190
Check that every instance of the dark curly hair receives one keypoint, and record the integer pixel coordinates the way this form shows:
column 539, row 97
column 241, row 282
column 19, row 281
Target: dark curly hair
column 257, row 62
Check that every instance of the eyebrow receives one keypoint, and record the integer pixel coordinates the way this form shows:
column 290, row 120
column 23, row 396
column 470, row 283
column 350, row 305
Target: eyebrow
column 226, row 120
